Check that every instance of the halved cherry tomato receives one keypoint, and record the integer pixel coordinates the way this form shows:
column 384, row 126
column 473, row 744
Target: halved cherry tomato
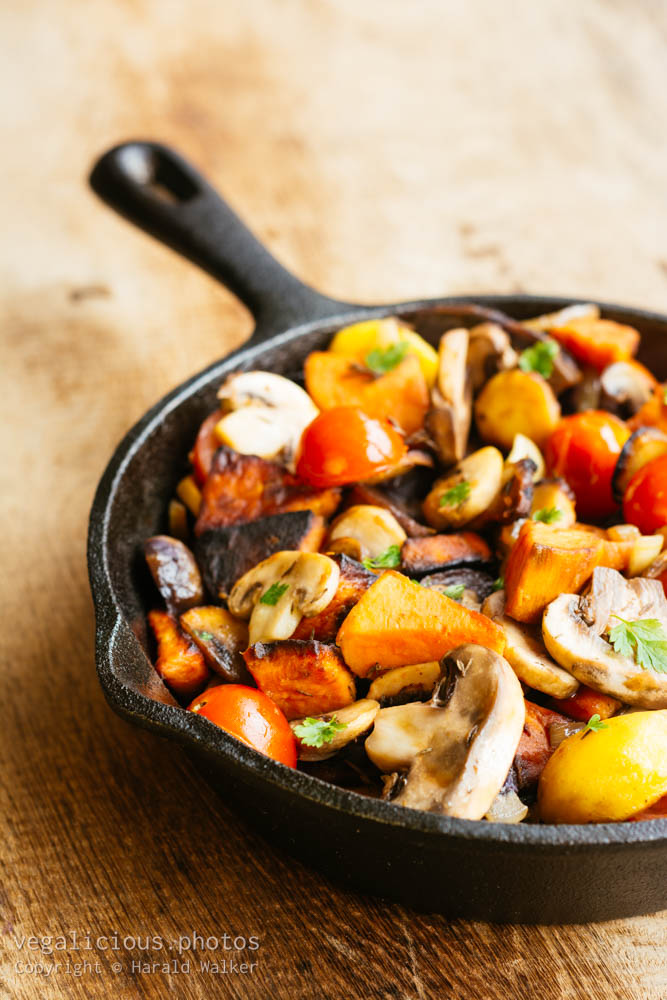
column 645, row 501
column 344, row 445
column 206, row 445
column 584, row 450
column 252, row 717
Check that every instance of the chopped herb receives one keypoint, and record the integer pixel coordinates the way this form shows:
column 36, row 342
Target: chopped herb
column 645, row 641
column 273, row 594
column 455, row 495
column 386, row 560
column 595, row 724
column 498, row 584
column 383, row 360
column 539, row 358
column 455, row 592
column 548, row 515
column 317, row 732
column 206, row 636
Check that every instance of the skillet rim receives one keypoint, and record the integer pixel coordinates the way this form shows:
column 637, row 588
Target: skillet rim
column 196, row 732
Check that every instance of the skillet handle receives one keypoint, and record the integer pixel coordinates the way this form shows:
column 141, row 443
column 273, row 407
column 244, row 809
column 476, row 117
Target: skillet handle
column 160, row 192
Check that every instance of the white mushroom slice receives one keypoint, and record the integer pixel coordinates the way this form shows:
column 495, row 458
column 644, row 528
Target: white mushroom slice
column 529, row 660
column 489, row 351
column 412, row 680
column 355, row 718
column 449, row 418
column 550, row 321
column 402, row 732
column 507, row 807
column 523, row 447
column 626, row 387
column 280, row 591
column 467, row 760
column 467, row 491
column 375, row 528
column 272, row 413
column 573, row 628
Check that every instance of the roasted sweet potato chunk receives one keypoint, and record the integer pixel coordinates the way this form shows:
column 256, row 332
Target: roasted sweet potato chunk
column 175, row 572
column 585, row 702
column 428, row 555
column 303, row 677
column 354, row 581
column 221, row 638
column 534, row 747
column 242, row 488
column 179, row 663
column 225, row 554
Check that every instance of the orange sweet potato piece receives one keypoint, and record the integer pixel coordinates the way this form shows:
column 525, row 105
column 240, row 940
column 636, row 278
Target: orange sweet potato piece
column 584, row 703
column 436, row 552
column 544, row 563
column 303, row 677
column 534, row 747
column 221, row 638
column 398, row 622
column 653, row 413
column 402, row 393
column 179, row 663
column 353, row 582
column 245, row 488
column 597, row 342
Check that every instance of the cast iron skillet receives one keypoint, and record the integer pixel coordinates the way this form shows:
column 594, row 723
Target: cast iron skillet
column 488, row 871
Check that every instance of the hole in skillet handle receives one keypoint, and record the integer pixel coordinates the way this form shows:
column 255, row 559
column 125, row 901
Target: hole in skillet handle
column 157, row 174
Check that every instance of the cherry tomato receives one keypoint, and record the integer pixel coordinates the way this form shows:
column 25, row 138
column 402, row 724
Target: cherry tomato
column 645, row 501
column 345, row 445
column 584, row 450
column 206, row 445
column 252, row 717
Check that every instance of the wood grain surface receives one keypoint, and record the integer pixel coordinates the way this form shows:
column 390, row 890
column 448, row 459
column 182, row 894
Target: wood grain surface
column 383, row 150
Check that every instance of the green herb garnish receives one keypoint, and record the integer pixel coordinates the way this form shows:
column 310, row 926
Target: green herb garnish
column 383, row 360
column 273, row 594
column 548, row 515
column 455, row 592
column 595, row 724
column 206, row 636
column 539, row 358
column 317, row 732
column 455, row 495
column 386, row 560
column 644, row 640
column 498, row 584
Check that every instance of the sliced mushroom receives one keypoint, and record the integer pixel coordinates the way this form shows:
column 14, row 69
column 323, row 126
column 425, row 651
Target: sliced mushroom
column 626, row 386
column 489, row 351
column 468, row 757
column 355, row 718
column 641, row 448
column 477, row 585
column 514, row 499
column 405, row 683
column 401, row 733
column 175, row 572
column 574, row 629
column 467, row 491
column 267, row 414
column 586, row 395
column 523, row 447
column 280, row 591
column 550, row 321
column 448, row 420
column 375, row 528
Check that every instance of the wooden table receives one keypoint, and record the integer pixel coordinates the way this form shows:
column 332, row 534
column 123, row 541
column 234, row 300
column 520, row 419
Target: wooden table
column 383, row 150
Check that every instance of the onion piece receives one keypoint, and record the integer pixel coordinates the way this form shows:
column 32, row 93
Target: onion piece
column 507, row 807
column 559, row 731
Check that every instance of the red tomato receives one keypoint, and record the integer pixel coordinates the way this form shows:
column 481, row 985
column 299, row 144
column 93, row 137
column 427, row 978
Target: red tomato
column 206, row 445
column 645, row 501
column 252, row 717
column 344, row 445
column 584, row 450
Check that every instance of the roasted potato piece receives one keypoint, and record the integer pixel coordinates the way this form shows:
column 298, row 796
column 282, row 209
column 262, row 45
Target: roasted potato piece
column 221, row 639
column 178, row 520
column 175, row 572
column 179, row 663
column 438, row 552
column 554, row 500
column 516, row 402
column 354, row 580
column 467, row 491
column 641, row 448
column 242, row 488
column 189, row 493
column 363, row 493
column 303, row 677
column 375, row 528
column 226, row 553
column 358, row 340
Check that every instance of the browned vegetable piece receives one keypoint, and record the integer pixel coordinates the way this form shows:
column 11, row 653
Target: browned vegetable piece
column 426, row 555
column 226, row 553
column 354, row 581
column 514, row 499
column 362, row 493
column 474, row 582
column 221, row 638
column 534, row 748
column 179, row 663
column 178, row 520
column 242, row 488
column 175, row 572
column 450, row 414
column 489, row 351
column 303, row 677
column 641, row 448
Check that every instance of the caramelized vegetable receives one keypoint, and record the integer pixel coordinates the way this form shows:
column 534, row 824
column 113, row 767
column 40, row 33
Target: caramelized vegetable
column 378, row 497
column 597, row 342
column 206, row 445
column 397, row 622
column 221, row 639
column 427, row 555
column 188, row 491
column 516, row 402
column 553, row 503
column 641, row 448
column 303, row 677
column 534, row 748
column 467, row 491
column 175, row 572
column 179, row 663
column 653, row 413
column 585, row 703
column 178, row 520
column 354, row 580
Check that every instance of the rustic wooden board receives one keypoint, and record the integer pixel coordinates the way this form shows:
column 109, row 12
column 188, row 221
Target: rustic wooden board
column 383, row 150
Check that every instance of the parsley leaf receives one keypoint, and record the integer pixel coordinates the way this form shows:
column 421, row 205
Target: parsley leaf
column 455, row 495
column 644, row 640
column 383, row 360
column 548, row 515
column 498, row 584
column 595, row 724
column 273, row 594
column 455, row 593
column 539, row 358
column 386, row 560
column 206, row 636
column 317, row 732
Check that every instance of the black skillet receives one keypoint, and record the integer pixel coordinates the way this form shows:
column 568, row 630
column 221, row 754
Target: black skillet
column 488, row 871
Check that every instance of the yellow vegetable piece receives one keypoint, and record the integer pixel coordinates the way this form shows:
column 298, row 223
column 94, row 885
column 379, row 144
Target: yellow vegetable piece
column 607, row 775
column 358, row 340
column 516, row 402
column 189, row 493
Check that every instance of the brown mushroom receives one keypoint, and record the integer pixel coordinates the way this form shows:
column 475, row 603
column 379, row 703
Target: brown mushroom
column 448, row 420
